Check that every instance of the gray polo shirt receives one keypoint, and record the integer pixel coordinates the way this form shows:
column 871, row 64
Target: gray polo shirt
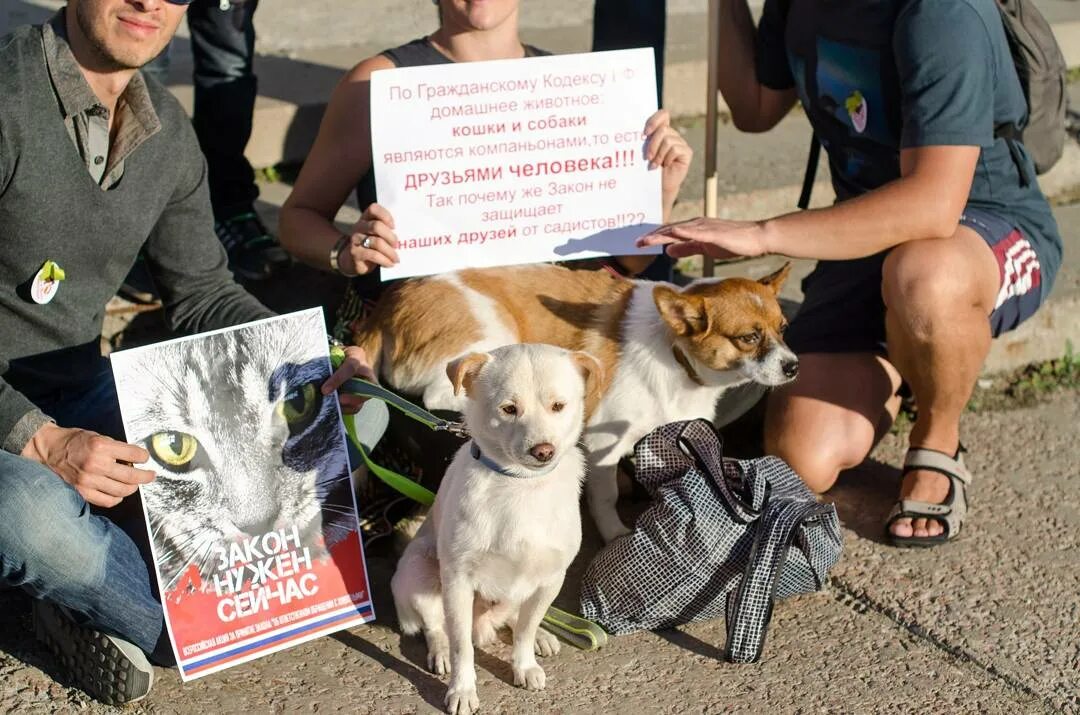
column 151, row 195
column 87, row 119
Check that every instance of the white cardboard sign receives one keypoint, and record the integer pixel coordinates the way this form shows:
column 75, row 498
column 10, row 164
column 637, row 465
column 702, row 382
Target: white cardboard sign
column 515, row 161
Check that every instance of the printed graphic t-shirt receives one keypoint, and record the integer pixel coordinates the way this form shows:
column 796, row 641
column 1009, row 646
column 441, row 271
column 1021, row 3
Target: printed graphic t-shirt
column 878, row 76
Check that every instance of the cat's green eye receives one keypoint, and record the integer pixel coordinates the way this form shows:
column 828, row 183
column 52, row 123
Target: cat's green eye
column 300, row 406
column 174, row 450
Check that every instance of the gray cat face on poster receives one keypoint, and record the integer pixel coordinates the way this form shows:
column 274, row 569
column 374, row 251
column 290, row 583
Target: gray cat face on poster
column 243, row 442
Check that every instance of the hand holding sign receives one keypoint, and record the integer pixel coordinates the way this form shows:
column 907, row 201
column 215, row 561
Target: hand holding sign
column 372, row 243
column 520, row 161
column 665, row 148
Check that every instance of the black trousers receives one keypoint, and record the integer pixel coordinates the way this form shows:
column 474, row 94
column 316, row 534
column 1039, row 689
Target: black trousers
column 223, row 48
column 626, row 24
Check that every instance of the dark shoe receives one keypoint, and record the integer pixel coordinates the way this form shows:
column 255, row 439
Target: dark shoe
column 108, row 668
column 254, row 254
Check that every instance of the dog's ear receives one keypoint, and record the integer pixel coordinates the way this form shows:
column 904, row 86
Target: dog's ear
column 590, row 369
column 464, row 370
column 685, row 313
column 775, row 280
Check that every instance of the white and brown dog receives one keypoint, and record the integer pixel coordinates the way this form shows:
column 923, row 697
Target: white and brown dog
column 505, row 525
column 667, row 353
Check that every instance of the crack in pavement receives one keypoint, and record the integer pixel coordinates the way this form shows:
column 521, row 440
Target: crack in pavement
column 861, row 602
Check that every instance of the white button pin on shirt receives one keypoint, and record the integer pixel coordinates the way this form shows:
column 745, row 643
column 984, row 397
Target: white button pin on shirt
column 46, row 282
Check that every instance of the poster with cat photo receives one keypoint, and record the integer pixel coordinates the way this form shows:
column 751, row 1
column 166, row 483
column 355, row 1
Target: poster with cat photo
column 251, row 516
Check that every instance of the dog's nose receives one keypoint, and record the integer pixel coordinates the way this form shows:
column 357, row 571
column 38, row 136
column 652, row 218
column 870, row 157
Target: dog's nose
column 543, row 452
column 790, row 368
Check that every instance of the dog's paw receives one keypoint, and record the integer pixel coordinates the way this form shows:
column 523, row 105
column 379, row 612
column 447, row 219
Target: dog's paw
column 484, row 634
column 462, row 699
column 530, row 677
column 546, row 643
column 438, row 660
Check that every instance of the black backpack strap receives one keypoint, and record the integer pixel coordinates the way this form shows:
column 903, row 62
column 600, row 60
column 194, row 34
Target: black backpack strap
column 749, row 607
column 811, row 172
column 1011, row 134
column 815, row 145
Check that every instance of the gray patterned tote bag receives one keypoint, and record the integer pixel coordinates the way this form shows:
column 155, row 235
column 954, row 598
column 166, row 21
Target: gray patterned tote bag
column 721, row 538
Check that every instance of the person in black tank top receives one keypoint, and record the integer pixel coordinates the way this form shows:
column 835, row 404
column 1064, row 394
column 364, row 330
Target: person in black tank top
column 362, row 291
column 417, row 53
column 341, row 162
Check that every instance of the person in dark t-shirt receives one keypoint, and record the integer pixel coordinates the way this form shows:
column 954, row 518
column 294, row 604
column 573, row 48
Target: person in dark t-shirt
column 939, row 241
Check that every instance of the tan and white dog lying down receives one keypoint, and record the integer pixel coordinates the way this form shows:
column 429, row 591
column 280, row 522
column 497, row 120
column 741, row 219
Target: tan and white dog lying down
column 505, row 525
column 667, row 353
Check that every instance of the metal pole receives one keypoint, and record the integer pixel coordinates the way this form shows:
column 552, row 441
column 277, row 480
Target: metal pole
column 711, row 118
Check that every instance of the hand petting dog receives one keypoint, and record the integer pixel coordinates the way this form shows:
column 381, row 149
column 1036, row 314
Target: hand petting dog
column 715, row 237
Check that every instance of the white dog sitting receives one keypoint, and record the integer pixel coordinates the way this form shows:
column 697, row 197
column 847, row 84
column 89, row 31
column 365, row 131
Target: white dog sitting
column 505, row 524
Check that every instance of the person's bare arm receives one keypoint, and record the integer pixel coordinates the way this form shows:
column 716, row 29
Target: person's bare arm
column 340, row 157
column 926, row 202
column 753, row 106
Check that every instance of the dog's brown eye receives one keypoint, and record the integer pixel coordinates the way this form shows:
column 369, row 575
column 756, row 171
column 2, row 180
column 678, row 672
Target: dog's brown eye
column 783, row 327
column 509, row 410
column 558, row 406
column 749, row 338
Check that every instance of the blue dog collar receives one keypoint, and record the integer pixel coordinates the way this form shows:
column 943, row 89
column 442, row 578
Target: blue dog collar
column 494, row 466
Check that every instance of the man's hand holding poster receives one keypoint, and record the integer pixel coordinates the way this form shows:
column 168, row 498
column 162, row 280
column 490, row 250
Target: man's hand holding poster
column 515, row 161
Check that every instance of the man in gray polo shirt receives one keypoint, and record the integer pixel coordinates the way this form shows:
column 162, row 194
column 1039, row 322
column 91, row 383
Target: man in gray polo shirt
column 95, row 164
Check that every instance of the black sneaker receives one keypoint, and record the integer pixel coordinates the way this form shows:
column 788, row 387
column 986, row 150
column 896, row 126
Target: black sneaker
column 253, row 253
column 108, row 668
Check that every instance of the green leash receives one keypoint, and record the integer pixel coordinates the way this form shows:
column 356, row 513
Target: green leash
column 395, row 481
column 575, row 630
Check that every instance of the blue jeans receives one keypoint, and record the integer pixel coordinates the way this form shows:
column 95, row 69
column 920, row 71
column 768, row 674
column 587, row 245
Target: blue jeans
column 626, row 24
column 54, row 547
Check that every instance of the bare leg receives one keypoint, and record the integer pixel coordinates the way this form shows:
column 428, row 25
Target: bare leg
column 830, row 418
column 939, row 294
